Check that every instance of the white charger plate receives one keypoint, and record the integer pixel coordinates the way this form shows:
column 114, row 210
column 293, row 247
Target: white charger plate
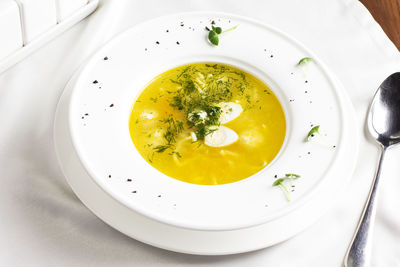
column 226, row 219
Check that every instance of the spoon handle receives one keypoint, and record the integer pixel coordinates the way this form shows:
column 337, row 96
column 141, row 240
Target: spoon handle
column 358, row 254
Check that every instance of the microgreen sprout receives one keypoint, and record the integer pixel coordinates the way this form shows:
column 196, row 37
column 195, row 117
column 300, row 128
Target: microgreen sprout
column 304, row 61
column 213, row 35
column 292, row 177
column 281, row 183
column 314, row 131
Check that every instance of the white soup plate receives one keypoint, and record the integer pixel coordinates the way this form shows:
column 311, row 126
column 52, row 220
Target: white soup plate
column 98, row 157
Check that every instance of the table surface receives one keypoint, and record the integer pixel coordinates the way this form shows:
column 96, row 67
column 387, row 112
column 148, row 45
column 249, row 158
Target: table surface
column 387, row 14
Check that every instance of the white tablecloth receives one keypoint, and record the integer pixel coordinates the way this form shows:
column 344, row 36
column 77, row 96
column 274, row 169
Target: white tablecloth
column 42, row 223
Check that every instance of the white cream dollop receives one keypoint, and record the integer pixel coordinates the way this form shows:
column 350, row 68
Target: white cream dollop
column 229, row 111
column 221, row 136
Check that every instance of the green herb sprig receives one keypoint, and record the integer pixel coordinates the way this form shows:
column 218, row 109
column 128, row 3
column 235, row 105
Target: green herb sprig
column 312, row 133
column 281, row 183
column 304, row 61
column 213, row 35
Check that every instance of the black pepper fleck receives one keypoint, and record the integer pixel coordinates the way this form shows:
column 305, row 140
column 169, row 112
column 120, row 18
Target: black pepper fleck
column 134, row 192
column 109, row 176
column 129, row 180
column 275, row 176
column 177, row 42
column 157, row 42
column 306, row 81
column 145, row 49
column 111, row 105
column 105, row 58
column 86, row 114
column 95, row 81
column 182, row 24
column 308, row 153
column 207, row 29
column 212, row 22
column 271, row 56
column 159, row 196
column 167, row 30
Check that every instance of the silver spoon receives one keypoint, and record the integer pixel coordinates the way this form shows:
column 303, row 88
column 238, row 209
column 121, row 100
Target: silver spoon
column 384, row 126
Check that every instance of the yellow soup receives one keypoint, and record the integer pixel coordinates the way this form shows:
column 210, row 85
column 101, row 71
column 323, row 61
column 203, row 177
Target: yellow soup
column 207, row 124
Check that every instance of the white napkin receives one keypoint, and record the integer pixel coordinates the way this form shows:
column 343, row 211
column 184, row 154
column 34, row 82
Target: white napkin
column 42, row 223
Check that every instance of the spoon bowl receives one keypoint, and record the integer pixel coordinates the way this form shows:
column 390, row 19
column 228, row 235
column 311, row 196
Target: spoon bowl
column 384, row 113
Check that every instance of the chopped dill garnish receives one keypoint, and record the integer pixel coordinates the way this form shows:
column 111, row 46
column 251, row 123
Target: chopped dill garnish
column 211, row 66
column 172, row 130
column 161, row 148
column 183, row 72
column 248, row 99
column 174, row 127
column 189, row 87
column 151, row 157
column 197, row 94
column 154, row 99
column 176, row 153
column 173, row 81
